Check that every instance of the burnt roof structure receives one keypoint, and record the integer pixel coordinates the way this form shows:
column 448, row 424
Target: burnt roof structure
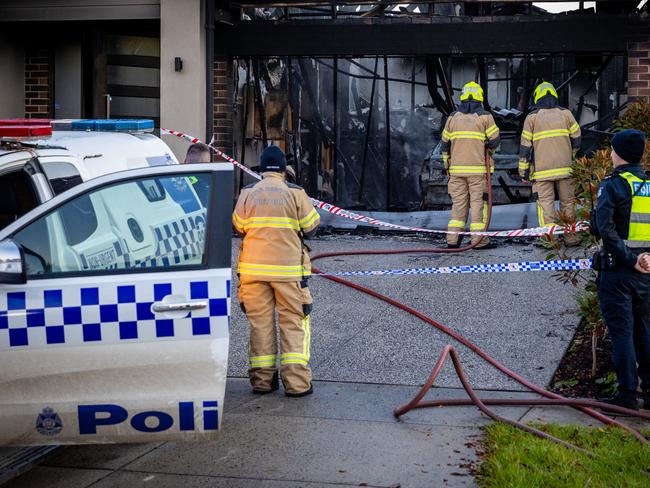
column 358, row 28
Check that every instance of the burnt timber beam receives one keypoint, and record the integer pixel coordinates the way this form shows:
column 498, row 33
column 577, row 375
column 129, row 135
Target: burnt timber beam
column 507, row 35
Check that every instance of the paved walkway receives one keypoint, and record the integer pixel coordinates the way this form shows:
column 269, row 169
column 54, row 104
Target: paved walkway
column 343, row 435
column 368, row 357
column 524, row 320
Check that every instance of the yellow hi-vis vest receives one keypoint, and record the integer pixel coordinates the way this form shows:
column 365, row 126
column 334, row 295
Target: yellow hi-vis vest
column 639, row 233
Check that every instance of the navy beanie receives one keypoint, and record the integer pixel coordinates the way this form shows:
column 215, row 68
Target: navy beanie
column 629, row 145
column 273, row 159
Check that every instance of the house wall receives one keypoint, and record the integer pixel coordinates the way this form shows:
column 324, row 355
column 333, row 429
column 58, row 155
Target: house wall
column 638, row 85
column 39, row 82
column 223, row 104
column 182, row 93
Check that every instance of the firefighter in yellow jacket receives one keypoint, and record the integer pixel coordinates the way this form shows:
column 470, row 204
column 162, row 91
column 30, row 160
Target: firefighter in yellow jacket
column 274, row 217
column 467, row 134
column 549, row 142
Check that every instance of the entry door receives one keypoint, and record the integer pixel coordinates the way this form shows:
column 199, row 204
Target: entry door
column 121, row 332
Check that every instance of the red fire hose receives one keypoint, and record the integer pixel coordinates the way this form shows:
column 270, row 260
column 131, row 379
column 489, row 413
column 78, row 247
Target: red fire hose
column 579, row 404
column 582, row 405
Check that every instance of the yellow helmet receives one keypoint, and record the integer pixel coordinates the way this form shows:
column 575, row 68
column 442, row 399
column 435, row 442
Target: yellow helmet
column 472, row 90
column 544, row 89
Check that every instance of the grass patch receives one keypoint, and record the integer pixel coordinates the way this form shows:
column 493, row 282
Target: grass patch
column 514, row 458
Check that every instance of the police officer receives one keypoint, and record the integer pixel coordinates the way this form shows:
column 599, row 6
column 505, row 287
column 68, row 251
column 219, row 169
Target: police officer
column 465, row 137
column 622, row 220
column 274, row 217
column 549, row 141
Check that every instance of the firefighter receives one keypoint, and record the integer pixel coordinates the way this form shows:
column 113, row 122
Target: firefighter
column 549, row 141
column 622, row 220
column 274, row 217
column 467, row 134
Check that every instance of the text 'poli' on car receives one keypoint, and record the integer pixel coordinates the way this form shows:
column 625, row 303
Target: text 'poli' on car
column 40, row 158
column 115, row 309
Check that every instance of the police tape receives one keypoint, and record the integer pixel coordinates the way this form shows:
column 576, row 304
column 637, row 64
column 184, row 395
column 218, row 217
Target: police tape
column 525, row 266
column 363, row 219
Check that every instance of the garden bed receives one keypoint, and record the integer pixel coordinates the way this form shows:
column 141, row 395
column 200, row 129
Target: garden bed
column 574, row 376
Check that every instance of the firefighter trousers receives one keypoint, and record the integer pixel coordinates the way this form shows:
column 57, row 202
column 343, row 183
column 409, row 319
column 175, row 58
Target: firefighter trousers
column 467, row 192
column 545, row 195
column 259, row 300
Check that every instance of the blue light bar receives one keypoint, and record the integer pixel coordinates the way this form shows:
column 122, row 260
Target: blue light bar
column 82, row 125
column 123, row 125
column 106, row 125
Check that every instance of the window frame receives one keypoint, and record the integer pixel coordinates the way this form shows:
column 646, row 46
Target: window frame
column 217, row 250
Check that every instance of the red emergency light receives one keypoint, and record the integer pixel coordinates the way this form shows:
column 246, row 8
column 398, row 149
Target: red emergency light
column 14, row 128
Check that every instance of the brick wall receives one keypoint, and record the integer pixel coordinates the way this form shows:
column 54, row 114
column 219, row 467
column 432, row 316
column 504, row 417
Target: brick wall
column 638, row 61
column 39, row 76
column 223, row 104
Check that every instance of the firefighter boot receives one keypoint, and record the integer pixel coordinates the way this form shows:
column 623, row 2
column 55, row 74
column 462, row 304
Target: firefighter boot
column 275, row 386
column 302, row 394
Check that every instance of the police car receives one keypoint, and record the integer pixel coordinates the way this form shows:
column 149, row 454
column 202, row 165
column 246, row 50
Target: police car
column 40, row 158
column 115, row 308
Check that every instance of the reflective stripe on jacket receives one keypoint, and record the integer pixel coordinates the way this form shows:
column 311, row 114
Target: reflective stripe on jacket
column 272, row 215
column 639, row 232
column 464, row 138
column 548, row 141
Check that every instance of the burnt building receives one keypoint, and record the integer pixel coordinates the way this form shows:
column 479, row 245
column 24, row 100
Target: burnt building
column 357, row 92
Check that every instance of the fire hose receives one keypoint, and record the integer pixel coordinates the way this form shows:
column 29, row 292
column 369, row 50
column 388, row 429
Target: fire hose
column 551, row 398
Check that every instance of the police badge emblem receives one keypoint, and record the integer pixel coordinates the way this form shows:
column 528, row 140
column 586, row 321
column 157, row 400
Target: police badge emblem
column 48, row 422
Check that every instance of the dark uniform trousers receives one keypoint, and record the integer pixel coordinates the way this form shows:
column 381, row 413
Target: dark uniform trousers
column 625, row 304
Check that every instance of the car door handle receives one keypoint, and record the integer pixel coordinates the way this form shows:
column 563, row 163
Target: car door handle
column 161, row 307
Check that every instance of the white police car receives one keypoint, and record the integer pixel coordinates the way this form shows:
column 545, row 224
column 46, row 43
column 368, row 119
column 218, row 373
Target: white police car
column 37, row 162
column 115, row 308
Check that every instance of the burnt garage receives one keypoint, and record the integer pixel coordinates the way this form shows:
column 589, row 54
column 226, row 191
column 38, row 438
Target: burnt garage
column 357, row 92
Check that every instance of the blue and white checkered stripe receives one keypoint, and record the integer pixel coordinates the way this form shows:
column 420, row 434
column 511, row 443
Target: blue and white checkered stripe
column 177, row 241
column 553, row 265
column 109, row 314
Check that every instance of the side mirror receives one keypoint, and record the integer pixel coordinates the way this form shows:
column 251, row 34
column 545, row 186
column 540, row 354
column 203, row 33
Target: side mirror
column 12, row 264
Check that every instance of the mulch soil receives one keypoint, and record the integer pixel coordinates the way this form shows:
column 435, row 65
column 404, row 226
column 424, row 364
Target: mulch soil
column 575, row 367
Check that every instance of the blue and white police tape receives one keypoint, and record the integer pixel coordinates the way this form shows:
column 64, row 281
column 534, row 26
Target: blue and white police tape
column 553, row 265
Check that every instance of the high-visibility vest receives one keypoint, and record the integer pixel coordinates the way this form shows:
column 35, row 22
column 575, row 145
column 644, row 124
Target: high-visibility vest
column 639, row 232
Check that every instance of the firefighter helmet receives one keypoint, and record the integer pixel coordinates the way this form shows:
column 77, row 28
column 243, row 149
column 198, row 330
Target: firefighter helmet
column 543, row 89
column 472, row 90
